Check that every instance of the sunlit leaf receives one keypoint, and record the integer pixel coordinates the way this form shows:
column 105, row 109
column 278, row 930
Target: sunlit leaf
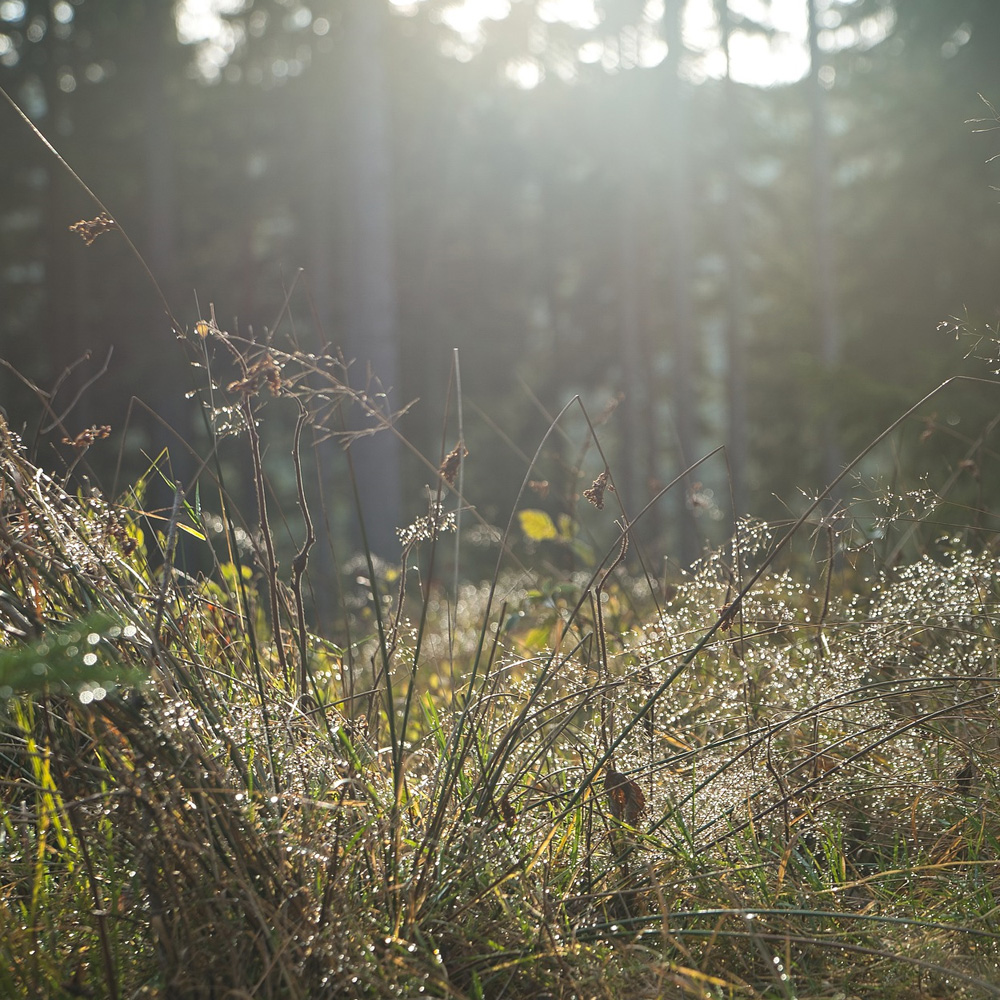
column 537, row 525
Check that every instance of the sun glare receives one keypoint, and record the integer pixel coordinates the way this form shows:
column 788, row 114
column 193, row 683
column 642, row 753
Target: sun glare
column 576, row 13
column 758, row 60
column 200, row 22
column 466, row 19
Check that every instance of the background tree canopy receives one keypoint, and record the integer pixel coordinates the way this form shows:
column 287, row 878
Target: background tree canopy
column 727, row 222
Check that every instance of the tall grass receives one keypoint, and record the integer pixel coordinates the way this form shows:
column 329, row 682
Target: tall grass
column 772, row 774
column 762, row 779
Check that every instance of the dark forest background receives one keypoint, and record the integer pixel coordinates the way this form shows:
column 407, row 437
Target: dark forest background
column 579, row 198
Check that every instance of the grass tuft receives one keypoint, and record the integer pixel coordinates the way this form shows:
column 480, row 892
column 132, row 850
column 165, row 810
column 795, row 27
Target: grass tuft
column 586, row 785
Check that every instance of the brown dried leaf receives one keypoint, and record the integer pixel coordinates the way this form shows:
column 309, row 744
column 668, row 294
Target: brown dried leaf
column 965, row 778
column 625, row 798
column 507, row 811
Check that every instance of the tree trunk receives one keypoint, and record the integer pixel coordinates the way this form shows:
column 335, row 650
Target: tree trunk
column 160, row 250
column 827, row 320
column 635, row 400
column 737, row 312
column 681, row 331
column 374, row 340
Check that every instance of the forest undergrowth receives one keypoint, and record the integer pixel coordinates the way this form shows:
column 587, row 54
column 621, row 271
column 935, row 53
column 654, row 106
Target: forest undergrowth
column 770, row 774
column 773, row 774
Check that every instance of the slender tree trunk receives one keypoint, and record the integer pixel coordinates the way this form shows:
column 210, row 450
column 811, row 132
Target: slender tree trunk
column 824, row 278
column 329, row 177
column 65, row 334
column 737, row 311
column 374, row 342
column 160, row 249
column 682, row 331
column 158, row 142
column 629, row 328
column 330, row 196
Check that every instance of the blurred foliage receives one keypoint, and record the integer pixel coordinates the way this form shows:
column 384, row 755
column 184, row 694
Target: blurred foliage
column 80, row 655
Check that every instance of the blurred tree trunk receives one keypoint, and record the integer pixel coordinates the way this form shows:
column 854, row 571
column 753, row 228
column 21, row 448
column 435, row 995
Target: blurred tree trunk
column 158, row 35
column 158, row 147
column 636, row 399
column 65, row 336
column 640, row 441
column 329, row 193
column 373, row 320
column 737, row 310
column 681, row 330
column 330, row 289
column 828, row 323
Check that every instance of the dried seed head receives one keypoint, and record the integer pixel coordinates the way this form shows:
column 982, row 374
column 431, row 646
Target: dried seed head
column 90, row 229
column 448, row 469
column 264, row 371
column 595, row 494
column 86, row 438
